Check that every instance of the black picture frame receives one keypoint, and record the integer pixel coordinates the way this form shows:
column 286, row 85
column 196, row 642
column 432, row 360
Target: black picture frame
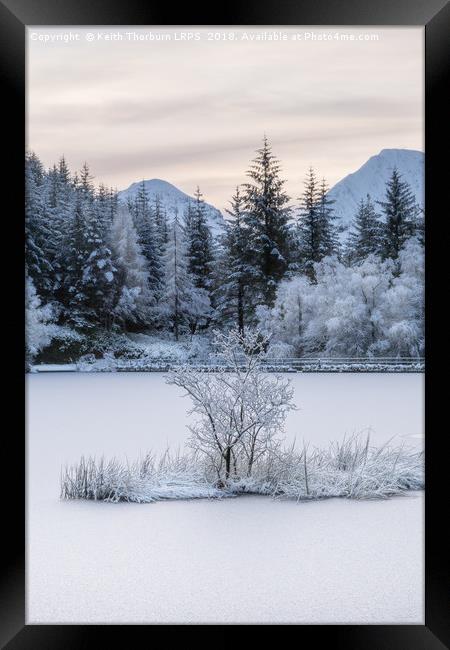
column 15, row 15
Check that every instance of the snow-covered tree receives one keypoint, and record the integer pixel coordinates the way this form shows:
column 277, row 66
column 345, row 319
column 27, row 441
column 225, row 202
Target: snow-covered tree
column 329, row 241
column 58, row 198
column 184, row 305
column 365, row 309
column 133, row 300
column 85, row 184
column 199, row 242
column 160, row 221
column 149, row 238
column 400, row 213
column 38, row 320
column 340, row 314
column 266, row 218
column 106, row 206
column 240, row 409
column 113, row 205
column 88, row 276
column 235, row 303
column 419, row 225
column 403, row 315
column 38, row 234
column 98, row 270
column 366, row 236
column 346, row 316
column 316, row 234
column 64, row 172
column 287, row 320
column 76, row 254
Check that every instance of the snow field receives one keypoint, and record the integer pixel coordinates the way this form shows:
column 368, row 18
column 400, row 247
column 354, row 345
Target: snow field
column 250, row 559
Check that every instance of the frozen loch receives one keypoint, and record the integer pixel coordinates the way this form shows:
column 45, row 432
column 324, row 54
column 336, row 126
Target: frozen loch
column 250, row 559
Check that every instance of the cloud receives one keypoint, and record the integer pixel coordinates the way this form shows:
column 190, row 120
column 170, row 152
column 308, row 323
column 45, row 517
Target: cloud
column 196, row 112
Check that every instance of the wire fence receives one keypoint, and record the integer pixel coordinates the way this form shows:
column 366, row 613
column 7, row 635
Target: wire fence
column 330, row 364
column 291, row 364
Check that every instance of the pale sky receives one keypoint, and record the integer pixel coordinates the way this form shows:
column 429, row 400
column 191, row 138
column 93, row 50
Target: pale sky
column 193, row 112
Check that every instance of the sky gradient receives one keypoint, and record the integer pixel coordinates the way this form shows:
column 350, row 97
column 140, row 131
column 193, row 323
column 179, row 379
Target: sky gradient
column 193, row 112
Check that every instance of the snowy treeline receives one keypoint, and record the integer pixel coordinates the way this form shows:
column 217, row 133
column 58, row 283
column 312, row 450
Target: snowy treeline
column 95, row 266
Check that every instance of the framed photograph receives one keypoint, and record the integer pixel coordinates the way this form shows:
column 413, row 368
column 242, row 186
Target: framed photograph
column 227, row 283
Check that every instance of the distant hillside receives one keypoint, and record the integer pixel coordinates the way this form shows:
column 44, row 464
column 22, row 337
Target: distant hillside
column 173, row 199
column 371, row 179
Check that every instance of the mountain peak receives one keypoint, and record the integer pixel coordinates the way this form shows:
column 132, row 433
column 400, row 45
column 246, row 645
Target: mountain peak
column 387, row 152
column 371, row 179
column 152, row 185
column 173, row 199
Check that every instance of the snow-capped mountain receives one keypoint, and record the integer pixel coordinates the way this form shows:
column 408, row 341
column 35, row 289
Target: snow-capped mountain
column 173, row 199
column 371, row 179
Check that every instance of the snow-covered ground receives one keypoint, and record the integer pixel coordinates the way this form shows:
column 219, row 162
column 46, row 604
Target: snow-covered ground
column 249, row 559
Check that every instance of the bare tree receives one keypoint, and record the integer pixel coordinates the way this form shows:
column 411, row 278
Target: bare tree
column 240, row 407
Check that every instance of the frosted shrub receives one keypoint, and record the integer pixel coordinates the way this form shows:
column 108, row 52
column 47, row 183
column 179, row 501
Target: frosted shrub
column 172, row 477
column 38, row 323
column 239, row 408
column 351, row 469
column 116, row 343
column 199, row 348
column 280, row 350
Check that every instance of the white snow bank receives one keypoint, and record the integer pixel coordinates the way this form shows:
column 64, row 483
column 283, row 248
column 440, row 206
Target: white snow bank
column 249, row 559
column 55, row 367
column 245, row 560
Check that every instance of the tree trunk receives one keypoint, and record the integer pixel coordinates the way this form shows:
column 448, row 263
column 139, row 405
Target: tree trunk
column 175, row 323
column 227, row 462
column 251, row 459
column 240, row 309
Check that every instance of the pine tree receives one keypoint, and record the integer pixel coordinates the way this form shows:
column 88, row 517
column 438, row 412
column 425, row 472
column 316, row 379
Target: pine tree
column 329, row 242
column 103, row 198
column 400, row 210
column 160, row 221
column 148, row 238
column 98, row 269
column 38, row 320
column 419, row 225
column 183, row 305
column 234, row 303
column 60, row 199
column 72, row 293
column 199, row 242
column 365, row 237
column 85, row 184
column 132, row 301
column 37, row 230
column 64, row 172
column 310, row 248
column 176, row 286
column 266, row 218
column 56, row 222
column 88, row 286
